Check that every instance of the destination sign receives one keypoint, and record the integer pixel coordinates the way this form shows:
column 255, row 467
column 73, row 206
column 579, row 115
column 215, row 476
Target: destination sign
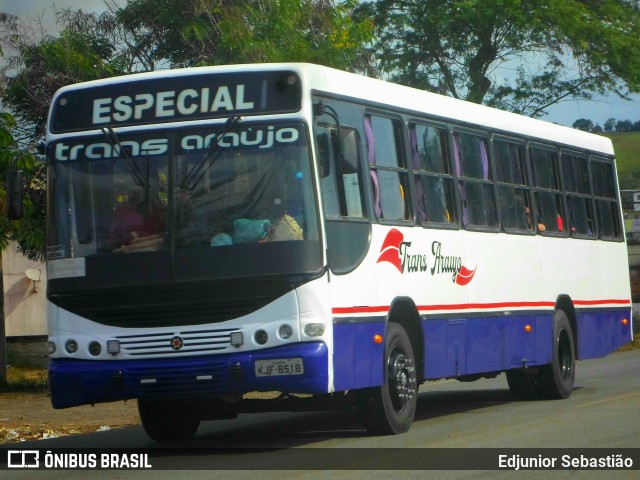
column 176, row 98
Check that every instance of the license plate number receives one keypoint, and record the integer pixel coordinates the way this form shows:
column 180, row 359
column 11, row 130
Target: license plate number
column 279, row 366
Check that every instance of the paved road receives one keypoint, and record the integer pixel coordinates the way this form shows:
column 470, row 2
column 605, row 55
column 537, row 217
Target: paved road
column 603, row 411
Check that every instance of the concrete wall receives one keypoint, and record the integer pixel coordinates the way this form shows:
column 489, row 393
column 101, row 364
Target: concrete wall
column 24, row 299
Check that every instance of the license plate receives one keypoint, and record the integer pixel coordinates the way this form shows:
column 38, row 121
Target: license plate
column 279, row 366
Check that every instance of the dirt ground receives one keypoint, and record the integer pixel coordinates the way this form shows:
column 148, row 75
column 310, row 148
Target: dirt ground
column 30, row 416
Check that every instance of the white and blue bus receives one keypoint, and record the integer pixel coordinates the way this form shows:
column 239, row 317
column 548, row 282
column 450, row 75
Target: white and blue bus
column 292, row 228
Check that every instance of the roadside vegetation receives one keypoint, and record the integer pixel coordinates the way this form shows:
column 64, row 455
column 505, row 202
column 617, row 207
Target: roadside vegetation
column 21, row 376
column 627, row 148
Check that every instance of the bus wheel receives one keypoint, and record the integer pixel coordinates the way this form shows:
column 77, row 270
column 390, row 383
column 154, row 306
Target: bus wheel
column 556, row 380
column 523, row 385
column 168, row 420
column 390, row 409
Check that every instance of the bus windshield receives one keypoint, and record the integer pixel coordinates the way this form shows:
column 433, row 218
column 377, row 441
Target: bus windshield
column 214, row 191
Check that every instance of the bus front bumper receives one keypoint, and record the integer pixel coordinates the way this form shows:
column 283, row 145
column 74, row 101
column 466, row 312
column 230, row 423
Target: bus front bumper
column 80, row 382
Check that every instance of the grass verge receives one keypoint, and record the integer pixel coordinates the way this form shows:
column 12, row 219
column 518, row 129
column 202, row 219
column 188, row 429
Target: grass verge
column 22, row 379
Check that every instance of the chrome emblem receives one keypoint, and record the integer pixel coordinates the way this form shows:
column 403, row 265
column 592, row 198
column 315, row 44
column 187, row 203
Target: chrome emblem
column 177, row 343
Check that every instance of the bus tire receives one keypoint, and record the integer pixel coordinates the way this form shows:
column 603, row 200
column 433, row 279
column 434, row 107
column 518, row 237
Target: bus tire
column 390, row 408
column 556, row 380
column 523, row 385
column 168, row 420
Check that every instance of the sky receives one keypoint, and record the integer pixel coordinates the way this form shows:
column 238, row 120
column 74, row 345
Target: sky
column 565, row 113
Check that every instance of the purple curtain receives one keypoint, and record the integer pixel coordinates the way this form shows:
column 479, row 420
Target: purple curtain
column 371, row 155
column 484, row 157
column 458, row 161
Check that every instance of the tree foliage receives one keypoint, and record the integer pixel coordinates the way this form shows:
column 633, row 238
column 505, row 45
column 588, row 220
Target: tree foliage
column 213, row 32
column 519, row 55
column 299, row 31
column 38, row 67
column 35, row 67
column 29, row 233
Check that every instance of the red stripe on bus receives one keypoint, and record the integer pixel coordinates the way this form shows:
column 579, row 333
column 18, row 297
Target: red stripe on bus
column 476, row 306
column 602, row 302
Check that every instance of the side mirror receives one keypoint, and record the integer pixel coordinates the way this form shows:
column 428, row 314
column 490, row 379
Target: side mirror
column 15, row 194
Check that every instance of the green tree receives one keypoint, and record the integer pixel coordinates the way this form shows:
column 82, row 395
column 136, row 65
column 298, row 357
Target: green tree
column 520, row 55
column 316, row 31
column 214, row 32
column 43, row 66
column 29, row 232
column 609, row 125
column 32, row 73
column 624, row 125
column 583, row 124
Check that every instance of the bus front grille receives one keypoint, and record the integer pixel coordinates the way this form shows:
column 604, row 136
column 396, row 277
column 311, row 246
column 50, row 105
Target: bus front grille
column 187, row 342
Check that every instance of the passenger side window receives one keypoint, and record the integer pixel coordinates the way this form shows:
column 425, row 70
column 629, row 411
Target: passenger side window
column 471, row 158
column 434, row 184
column 340, row 179
column 513, row 190
column 548, row 197
column 579, row 206
column 389, row 175
column 604, row 191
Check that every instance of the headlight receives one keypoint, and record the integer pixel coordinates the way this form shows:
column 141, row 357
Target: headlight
column 314, row 329
column 285, row 331
column 261, row 337
column 95, row 349
column 71, row 346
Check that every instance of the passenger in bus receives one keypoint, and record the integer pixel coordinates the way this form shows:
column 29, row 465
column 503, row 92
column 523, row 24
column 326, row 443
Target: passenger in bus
column 541, row 227
column 130, row 222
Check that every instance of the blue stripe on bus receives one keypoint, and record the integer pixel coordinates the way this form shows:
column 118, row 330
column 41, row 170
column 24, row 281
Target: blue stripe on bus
column 472, row 345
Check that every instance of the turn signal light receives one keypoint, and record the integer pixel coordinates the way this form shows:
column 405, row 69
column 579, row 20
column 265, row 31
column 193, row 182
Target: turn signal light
column 625, row 321
column 377, row 338
column 527, row 328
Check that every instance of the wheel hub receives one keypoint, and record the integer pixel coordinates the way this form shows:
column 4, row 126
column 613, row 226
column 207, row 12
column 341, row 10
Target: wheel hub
column 402, row 381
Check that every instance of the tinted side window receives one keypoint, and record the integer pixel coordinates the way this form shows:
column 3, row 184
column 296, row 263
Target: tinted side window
column 513, row 190
column 340, row 180
column 434, row 184
column 604, row 190
column 548, row 198
column 389, row 175
column 471, row 158
column 579, row 205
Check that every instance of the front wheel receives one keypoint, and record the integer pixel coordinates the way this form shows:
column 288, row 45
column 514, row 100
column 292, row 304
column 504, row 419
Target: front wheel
column 390, row 409
column 168, row 420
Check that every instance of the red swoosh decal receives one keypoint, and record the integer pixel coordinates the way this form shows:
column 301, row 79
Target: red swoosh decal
column 465, row 275
column 390, row 250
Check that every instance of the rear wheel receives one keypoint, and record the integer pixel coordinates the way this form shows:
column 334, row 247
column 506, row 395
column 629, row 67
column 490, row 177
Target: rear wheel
column 556, row 380
column 168, row 420
column 390, row 409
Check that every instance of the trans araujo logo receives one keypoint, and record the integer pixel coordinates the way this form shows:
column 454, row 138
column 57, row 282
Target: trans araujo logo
column 396, row 251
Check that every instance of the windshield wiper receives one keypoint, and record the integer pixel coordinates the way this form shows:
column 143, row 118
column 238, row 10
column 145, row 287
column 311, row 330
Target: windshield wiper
column 210, row 156
column 114, row 141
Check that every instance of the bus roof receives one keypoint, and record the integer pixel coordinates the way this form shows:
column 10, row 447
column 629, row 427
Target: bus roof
column 329, row 80
column 448, row 108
